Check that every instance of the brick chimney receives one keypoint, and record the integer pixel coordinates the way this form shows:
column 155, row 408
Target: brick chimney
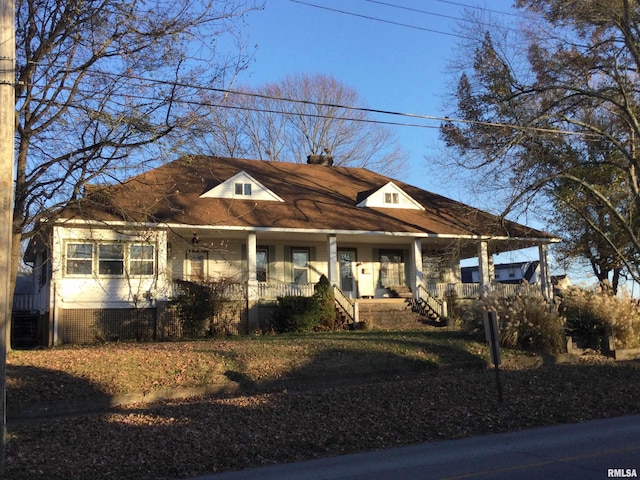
column 315, row 159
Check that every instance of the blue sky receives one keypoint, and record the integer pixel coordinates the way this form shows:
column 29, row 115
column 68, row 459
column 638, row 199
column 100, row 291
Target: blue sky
column 399, row 64
column 396, row 66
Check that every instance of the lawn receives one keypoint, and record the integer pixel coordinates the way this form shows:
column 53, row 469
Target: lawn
column 284, row 398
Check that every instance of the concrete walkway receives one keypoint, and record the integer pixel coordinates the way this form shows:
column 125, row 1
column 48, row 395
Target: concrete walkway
column 597, row 449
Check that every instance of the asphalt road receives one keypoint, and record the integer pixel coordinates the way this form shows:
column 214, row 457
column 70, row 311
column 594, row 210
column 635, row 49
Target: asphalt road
column 597, row 450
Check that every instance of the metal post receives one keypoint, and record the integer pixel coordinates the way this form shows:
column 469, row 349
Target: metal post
column 493, row 338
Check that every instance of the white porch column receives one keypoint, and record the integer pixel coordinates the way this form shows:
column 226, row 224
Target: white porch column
column 251, row 258
column 253, row 314
column 545, row 277
column 483, row 268
column 332, row 260
column 416, row 266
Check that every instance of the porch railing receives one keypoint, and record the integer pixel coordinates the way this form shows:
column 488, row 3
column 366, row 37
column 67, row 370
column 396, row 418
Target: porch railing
column 271, row 291
column 472, row 290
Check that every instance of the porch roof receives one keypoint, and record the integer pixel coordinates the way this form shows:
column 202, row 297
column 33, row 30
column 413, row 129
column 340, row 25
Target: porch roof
column 315, row 198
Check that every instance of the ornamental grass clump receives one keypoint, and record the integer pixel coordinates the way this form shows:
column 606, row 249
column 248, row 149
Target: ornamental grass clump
column 525, row 322
column 595, row 314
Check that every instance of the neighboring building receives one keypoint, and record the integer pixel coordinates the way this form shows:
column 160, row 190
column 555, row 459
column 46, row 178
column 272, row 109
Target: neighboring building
column 108, row 261
column 513, row 273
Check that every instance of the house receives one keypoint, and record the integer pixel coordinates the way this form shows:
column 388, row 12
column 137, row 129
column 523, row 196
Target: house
column 509, row 273
column 107, row 263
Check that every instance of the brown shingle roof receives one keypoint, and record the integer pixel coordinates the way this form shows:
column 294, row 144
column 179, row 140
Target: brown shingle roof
column 315, row 197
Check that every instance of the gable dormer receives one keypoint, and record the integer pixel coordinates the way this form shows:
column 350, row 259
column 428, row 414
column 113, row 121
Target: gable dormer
column 242, row 186
column 390, row 196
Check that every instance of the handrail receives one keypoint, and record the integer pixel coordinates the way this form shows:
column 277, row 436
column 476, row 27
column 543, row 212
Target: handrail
column 436, row 304
column 349, row 306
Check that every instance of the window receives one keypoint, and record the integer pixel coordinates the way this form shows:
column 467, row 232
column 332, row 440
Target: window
column 141, row 260
column 391, row 198
column 391, row 269
column 197, row 265
column 79, row 258
column 111, row 259
column 300, row 261
column 262, row 261
column 243, row 189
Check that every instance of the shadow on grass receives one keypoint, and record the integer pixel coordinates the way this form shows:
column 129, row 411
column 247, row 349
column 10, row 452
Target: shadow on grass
column 189, row 438
column 39, row 392
column 361, row 357
column 340, row 358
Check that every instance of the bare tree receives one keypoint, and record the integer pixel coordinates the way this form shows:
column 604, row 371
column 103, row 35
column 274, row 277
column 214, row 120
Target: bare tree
column 264, row 123
column 550, row 112
column 101, row 90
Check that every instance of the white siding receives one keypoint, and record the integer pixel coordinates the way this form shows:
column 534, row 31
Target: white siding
column 95, row 291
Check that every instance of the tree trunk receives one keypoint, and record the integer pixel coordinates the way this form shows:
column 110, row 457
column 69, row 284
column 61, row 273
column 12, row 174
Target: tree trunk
column 615, row 281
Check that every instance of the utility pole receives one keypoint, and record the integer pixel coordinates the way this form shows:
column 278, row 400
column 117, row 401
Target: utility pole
column 7, row 149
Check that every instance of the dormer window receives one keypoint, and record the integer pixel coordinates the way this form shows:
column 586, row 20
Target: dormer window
column 391, row 198
column 242, row 186
column 243, row 189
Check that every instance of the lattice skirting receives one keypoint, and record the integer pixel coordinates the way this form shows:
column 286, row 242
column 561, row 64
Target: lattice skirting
column 107, row 325
column 113, row 324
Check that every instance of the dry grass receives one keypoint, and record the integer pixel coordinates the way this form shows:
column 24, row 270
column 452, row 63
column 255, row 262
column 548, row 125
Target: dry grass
column 72, row 372
column 299, row 397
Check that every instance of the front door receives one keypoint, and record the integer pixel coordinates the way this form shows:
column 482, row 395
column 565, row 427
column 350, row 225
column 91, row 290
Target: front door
column 347, row 268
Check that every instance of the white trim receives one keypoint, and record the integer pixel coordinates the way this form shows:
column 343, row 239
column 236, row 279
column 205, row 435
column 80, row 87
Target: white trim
column 226, row 189
column 377, row 199
column 174, row 226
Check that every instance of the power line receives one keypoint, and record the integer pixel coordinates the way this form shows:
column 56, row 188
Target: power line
column 442, row 15
column 367, row 17
column 478, row 8
column 227, row 91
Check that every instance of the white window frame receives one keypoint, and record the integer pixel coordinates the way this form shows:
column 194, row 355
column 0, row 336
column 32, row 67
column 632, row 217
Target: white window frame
column 77, row 258
column 392, row 271
column 107, row 261
column 304, row 269
column 243, row 189
column 143, row 260
column 99, row 261
column 391, row 198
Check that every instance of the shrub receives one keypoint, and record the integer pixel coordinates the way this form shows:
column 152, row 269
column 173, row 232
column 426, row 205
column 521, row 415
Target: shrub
column 592, row 314
column 204, row 308
column 296, row 314
column 326, row 304
column 525, row 322
column 305, row 314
